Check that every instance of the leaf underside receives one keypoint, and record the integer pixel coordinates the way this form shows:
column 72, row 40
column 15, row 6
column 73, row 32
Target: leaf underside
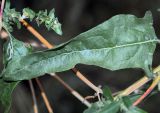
column 124, row 41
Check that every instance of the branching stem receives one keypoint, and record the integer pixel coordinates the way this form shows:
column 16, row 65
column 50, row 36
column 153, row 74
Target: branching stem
column 44, row 96
column 138, row 84
column 73, row 92
column 153, row 85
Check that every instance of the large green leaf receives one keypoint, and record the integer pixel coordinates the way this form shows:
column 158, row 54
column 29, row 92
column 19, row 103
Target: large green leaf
column 123, row 41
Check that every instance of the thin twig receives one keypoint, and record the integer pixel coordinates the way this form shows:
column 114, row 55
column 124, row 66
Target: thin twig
column 138, row 84
column 83, row 78
column 46, row 101
column 35, row 106
column 153, row 85
column 2, row 7
column 1, row 13
column 47, row 44
column 134, row 86
column 73, row 92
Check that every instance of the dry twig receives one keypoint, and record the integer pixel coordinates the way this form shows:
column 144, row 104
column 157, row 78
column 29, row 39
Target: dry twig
column 35, row 106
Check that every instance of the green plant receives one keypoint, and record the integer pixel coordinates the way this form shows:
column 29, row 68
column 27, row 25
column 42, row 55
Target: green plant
column 124, row 41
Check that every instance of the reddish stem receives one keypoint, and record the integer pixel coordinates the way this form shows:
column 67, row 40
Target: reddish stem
column 2, row 7
column 153, row 85
column 143, row 96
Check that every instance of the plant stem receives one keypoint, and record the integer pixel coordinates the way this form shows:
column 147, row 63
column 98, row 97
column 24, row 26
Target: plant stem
column 138, row 84
column 46, row 101
column 83, row 78
column 153, row 85
column 35, row 107
column 47, row 44
column 2, row 7
column 1, row 13
column 73, row 92
column 134, row 86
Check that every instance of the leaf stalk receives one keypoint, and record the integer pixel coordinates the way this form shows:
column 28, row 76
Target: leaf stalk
column 44, row 96
column 72, row 91
column 35, row 106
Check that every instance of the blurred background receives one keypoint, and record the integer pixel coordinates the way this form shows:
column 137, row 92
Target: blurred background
column 76, row 17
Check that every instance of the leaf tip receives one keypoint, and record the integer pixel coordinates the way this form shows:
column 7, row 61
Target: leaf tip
column 148, row 16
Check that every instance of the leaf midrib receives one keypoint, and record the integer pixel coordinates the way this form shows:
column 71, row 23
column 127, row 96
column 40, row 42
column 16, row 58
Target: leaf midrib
column 114, row 47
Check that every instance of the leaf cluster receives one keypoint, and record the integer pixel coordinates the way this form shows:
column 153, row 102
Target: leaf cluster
column 11, row 17
column 109, row 104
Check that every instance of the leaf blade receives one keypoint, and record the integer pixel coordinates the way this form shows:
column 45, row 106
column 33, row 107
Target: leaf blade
column 123, row 41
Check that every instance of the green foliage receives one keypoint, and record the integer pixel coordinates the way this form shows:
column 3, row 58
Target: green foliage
column 28, row 13
column 11, row 17
column 123, row 41
column 13, row 49
column 107, row 93
column 118, row 105
column 110, row 104
column 6, row 89
column 49, row 20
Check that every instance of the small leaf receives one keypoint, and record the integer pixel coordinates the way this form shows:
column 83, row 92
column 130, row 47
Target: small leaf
column 111, row 108
column 95, row 108
column 7, row 6
column 127, row 102
column 6, row 89
column 134, row 97
column 41, row 17
column 11, row 17
column 127, row 107
column 124, row 41
column 107, row 108
column 135, row 110
column 57, row 27
column 28, row 13
column 107, row 93
column 51, row 14
column 50, row 21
